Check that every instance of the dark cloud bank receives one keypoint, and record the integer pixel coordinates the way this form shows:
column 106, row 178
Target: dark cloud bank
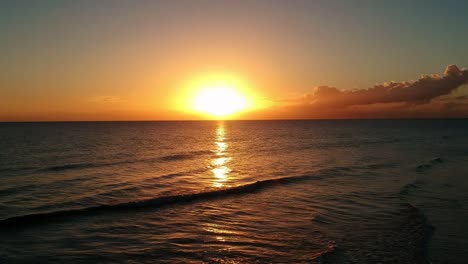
column 427, row 97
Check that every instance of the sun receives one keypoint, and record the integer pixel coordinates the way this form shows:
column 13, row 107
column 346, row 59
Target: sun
column 216, row 95
column 219, row 101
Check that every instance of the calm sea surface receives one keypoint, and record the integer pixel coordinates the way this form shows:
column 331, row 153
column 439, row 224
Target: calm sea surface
column 370, row 191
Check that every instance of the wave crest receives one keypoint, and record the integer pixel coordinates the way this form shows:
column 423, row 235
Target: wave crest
column 167, row 158
column 162, row 201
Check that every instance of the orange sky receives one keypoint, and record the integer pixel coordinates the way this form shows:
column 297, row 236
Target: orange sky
column 307, row 59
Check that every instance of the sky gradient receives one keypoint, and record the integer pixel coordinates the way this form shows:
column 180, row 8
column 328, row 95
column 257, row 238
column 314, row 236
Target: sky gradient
column 131, row 60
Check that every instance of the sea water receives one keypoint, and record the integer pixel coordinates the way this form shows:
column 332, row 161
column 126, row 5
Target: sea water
column 344, row 191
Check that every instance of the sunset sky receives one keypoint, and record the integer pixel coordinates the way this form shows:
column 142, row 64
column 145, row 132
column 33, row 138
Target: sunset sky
column 152, row 60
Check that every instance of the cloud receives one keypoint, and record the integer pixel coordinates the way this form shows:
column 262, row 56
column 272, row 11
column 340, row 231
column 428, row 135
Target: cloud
column 420, row 91
column 105, row 99
column 431, row 96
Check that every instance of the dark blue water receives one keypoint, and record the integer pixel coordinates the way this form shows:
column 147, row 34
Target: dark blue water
column 369, row 191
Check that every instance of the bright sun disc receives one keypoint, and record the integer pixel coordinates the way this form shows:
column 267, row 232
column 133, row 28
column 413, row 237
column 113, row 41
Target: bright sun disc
column 219, row 101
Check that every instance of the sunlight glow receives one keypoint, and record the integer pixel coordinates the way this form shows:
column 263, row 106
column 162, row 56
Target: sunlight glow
column 216, row 95
column 219, row 101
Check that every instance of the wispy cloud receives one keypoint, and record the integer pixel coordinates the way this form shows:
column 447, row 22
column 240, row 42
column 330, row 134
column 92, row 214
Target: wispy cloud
column 105, row 99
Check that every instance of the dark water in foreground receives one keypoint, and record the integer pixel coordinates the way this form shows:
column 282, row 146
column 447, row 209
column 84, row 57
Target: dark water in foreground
column 234, row 192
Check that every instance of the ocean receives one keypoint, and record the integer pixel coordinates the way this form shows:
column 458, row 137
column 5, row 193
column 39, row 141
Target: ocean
column 341, row 191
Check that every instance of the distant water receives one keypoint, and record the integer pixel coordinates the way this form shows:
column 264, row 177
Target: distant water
column 370, row 191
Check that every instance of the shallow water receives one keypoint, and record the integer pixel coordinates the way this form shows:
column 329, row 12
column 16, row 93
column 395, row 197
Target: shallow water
column 234, row 192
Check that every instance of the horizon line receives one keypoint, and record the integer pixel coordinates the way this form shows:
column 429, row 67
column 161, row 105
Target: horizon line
column 218, row 120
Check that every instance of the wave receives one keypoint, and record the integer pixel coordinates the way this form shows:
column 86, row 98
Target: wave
column 407, row 188
column 69, row 167
column 404, row 239
column 428, row 165
column 173, row 157
column 11, row 171
column 417, row 183
column 326, row 254
column 162, row 201
column 418, row 228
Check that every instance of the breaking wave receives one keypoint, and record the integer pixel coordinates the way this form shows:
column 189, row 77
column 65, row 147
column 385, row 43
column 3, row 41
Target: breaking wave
column 157, row 202
column 404, row 240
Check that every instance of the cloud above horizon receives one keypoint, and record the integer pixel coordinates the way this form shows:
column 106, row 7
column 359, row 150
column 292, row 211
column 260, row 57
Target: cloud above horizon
column 427, row 96
column 421, row 91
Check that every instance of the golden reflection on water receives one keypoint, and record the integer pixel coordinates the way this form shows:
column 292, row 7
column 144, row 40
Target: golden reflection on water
column 220, row 233
column 219, row 163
